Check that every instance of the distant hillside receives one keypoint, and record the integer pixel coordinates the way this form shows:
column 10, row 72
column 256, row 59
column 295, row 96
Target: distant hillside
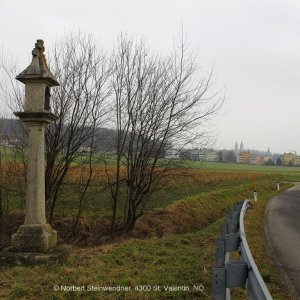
column 8, row 126
column 105, row 138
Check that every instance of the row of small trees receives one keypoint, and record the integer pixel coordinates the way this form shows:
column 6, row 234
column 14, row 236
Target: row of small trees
column 151, row 101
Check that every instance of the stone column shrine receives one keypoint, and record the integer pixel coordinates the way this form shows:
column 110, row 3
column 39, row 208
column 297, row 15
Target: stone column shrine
column 36, row 235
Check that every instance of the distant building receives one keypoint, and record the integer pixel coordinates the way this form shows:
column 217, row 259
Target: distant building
column 238, row 150
column 246, row 157
column 249, row 158
column 259, row 160
column 290, row 159
column 252, row 157
column 241, row 147
column 190, row 154
column 209, row 155
column 200, row 154
column 268, row 157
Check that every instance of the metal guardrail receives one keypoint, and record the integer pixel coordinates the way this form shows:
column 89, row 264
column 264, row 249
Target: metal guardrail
column 228, row 274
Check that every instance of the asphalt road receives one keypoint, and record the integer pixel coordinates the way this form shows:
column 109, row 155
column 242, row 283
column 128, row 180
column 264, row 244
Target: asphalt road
column 283, row 232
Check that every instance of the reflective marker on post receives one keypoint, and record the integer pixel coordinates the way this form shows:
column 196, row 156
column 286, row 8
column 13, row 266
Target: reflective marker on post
column 255, row 196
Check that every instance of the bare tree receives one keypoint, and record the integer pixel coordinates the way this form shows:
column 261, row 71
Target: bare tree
column 11, row 91
column 1, row 189
column 82, row 71
column 12, row 179
column 12, row 95
column 157, row 102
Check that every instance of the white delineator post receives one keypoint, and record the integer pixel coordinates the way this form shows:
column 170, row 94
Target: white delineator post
column 36, row 235
column 255, row 196
column 254, row 193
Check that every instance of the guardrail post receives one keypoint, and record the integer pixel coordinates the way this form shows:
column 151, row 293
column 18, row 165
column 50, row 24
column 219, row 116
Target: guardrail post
column 233, row 226
column 219, row 283
column 234, row 215
column 236, row 273
column 233, row 221
column 220, row 252
column 232, row 242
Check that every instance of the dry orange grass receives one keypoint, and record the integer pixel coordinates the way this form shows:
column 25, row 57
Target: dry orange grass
column 12, row 175
column 200, row 176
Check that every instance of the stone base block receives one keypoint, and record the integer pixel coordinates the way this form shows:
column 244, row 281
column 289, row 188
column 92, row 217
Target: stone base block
column 8, row 257
column 34, row 238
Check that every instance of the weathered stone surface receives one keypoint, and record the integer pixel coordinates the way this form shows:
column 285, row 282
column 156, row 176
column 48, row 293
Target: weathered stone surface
column 59, row 254
column 35, row 188
column 34, row 238
column 34, row 92
column 36, row 235
column 38, row 69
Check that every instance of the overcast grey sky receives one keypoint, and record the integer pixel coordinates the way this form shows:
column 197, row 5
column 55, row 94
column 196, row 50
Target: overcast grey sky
column 254, row 46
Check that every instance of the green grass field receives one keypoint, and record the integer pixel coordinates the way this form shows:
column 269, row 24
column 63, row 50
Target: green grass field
column 283, row 171
column 176, row 259
column 178, row 249
column 97, row 201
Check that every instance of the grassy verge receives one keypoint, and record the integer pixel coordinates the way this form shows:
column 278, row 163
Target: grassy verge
column 254, row 227
column 182, row 261
column 197, row 211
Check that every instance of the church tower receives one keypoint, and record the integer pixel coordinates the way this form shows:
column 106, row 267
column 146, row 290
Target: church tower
column 242, row 147
column 237, row 152
column 236, row 148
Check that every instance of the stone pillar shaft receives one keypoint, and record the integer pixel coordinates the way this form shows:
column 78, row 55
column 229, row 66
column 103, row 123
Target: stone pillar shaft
column 35, row 192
